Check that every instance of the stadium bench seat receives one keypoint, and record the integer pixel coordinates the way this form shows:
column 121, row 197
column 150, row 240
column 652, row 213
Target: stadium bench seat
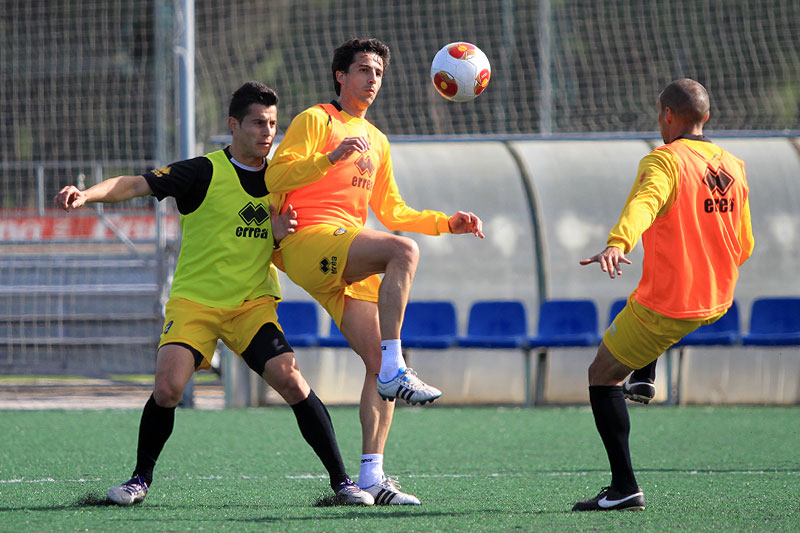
column 299, row 322
column 334, row 338
column 566, row 323
column 774, row 322
column 561, row 324
column 499, row 324
column 429, row 325
column 723, row 332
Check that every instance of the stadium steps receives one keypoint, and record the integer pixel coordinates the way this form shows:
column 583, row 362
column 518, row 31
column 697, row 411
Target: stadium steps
column 83, row 315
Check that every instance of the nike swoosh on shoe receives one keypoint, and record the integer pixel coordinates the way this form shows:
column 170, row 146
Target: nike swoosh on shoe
column 605, row 503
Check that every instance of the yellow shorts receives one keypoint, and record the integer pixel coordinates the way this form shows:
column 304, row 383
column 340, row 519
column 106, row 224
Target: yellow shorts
column 315, row 257
column 638, row 335
column 200, row 326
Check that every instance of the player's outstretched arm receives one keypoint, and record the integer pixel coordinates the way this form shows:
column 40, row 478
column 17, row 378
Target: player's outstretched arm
column 111, row 190
column 464, row 222
column 283, row 224
column 609, row 260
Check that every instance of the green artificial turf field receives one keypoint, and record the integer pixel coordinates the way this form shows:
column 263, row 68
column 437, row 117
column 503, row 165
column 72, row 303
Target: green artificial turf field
column 475, row 469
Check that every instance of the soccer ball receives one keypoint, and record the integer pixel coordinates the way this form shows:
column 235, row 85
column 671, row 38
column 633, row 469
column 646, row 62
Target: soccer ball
column 460, row 71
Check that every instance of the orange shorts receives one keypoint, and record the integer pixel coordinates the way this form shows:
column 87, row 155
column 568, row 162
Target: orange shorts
column 638, row 335
column 201, row 326
column 315, row 257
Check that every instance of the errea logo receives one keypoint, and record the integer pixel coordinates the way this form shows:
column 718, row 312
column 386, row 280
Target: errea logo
column 366, row 168
column 253, row 214
column 719, row 183
column 364, row 165
column 329, row 266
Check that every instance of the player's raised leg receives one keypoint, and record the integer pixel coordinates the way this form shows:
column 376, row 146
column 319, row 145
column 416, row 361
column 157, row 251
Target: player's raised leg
column 374, row 252
column 640, row 385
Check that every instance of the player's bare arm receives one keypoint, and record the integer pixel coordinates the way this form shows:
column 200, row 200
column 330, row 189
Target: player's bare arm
column 466, row 222
column 111, row 190
column 609, row 260
column 283, row 224
column 347, row 147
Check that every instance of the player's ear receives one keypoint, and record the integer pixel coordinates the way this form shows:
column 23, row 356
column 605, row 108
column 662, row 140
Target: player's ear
column 233, row 123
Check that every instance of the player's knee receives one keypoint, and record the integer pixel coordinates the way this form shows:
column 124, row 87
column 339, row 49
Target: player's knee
column 167, row 393
column 290, row 384
column 593, row 373
column 407, row 250
column 372, row 362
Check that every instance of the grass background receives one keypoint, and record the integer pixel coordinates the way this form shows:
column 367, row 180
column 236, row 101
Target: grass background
column 475, row 469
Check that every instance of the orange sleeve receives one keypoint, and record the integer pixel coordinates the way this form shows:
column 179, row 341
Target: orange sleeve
column 298, row 160
column 746, row 234
column 652, row 195
column 392, row 211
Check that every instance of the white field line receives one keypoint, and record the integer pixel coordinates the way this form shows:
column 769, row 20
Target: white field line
column 409, row 476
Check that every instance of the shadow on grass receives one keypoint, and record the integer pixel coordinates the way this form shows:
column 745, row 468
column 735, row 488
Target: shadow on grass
column 87, row 500
column 93, row 500
column 397, row 512
column 353, row 512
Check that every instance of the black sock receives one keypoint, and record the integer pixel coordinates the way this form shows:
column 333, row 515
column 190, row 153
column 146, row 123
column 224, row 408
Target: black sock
column 614, row 425
column 154, row 430
column 317, row 428
column 646, row 373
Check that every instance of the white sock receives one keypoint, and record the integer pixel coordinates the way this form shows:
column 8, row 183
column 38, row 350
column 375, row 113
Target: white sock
column 392, row 360
column 371, row 469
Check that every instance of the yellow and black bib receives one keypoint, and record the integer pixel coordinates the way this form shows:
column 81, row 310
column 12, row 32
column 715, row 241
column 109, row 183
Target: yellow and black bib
column 227, row 243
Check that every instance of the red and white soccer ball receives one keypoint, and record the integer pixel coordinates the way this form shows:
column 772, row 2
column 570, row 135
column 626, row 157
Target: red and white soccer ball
column 460, row 71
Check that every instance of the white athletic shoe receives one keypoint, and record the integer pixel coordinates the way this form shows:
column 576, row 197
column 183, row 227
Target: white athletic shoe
column 132, row 491
column 348, row 493
column 387, row 492
column 407, row 386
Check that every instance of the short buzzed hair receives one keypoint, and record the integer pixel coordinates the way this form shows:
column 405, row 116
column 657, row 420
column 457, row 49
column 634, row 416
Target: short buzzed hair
column 687, row 99
column 252, row 92
column 344, row 56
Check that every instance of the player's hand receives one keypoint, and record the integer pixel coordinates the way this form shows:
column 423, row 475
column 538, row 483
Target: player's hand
column 463, row 222
column 347, row 147
column 283, row 224
column 70, row 197
column 609, row 260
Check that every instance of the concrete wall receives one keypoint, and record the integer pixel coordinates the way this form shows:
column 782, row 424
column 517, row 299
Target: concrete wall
column 578, row 190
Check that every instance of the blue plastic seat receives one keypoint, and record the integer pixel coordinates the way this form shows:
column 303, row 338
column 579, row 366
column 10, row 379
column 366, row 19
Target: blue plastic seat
column 334, row 339
column 430, row 325
column 774, row 322
column 299, row 322
column 501, row 324
column 566, row 323
column 723, row 332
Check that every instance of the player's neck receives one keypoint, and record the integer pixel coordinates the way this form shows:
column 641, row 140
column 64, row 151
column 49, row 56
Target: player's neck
column 354, row 107
column 245, row 159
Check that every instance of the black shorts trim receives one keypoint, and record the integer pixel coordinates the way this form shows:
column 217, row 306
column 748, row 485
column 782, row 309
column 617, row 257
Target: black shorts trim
column 198, row 357
column 267, row 343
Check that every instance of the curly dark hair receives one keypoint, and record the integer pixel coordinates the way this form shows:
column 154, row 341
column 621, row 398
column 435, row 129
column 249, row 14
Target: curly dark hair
column 344, row 55
column 252, row 92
